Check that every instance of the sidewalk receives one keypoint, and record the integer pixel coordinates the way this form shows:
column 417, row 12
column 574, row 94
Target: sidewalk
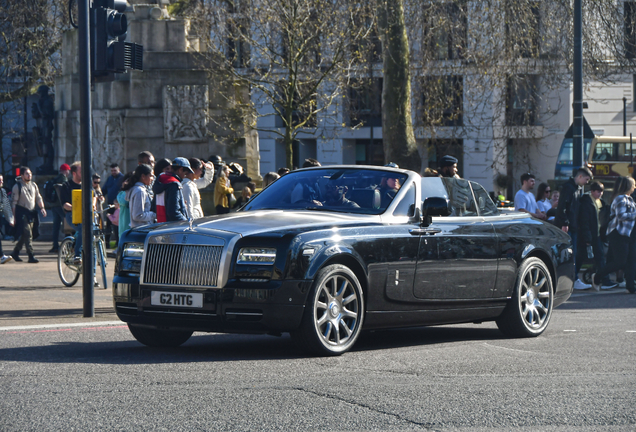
column 33, row 294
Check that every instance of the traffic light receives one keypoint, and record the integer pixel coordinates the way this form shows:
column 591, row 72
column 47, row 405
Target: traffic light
column 109, row 52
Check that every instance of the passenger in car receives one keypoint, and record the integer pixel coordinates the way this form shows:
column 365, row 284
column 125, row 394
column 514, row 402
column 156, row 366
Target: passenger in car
column 389, row 186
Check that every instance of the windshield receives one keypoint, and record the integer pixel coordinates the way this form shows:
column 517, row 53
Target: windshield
column 348, row 190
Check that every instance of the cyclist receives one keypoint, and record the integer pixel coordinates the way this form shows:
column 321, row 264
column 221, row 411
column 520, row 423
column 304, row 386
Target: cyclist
column 66, row 198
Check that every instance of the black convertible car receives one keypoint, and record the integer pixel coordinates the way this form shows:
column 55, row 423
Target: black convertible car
column 324, row 253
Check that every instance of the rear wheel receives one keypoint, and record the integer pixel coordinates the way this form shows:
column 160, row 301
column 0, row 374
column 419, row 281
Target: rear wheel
column 159, row 338
column 530, row 308
column 69, row 272
column 333, row 314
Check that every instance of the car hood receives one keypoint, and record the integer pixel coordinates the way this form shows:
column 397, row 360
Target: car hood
column 265, row 221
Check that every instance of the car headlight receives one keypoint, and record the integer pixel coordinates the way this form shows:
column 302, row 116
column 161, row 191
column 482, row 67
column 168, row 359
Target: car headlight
column 133, row 250
column 255, row 255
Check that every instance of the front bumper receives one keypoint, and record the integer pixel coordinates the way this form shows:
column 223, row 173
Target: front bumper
column 275, row 306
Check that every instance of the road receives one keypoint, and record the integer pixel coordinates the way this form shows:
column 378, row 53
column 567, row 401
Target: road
column 73, row 373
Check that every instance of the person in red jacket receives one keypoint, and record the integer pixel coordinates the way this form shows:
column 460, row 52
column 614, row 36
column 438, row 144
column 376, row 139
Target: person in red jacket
column 169, row 203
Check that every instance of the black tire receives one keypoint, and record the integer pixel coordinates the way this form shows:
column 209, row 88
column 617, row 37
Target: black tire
column 159, row 338
column 69, row 273
column 334, row 313
column 530, row 308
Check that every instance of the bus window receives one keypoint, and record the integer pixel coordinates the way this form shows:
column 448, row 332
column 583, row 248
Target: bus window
column 565, row 164
column 613, row 151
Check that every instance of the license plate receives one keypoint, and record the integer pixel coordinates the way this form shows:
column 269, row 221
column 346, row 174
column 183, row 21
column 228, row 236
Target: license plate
column 188, row 300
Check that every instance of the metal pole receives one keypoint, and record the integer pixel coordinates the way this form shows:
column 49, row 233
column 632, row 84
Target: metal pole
column 83, row 39
column 577, row 138
column 631, row 153
column 624, row 116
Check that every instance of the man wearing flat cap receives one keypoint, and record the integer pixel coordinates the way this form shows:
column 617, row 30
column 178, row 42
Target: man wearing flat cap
column 448, row 166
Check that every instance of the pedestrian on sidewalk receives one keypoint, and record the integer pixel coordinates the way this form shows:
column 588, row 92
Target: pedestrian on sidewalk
column 25, row 196
column 222, row 189
column 619, row 230
column 56, row 205
column 591, row 212
column 137, row 196
column 66, row 198
column 543, row 197
column 168, row 192
column 7, row 214
column 524, row 199
column 111, row 189
column 568, row 209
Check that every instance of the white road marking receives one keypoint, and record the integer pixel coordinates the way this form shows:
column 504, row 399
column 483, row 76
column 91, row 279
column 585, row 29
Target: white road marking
column 569, row 330
column 51, row 326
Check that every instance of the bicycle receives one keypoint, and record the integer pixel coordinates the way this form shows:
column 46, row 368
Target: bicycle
column 68, row 270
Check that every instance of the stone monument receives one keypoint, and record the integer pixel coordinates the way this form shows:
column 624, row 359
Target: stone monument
column 172, row 108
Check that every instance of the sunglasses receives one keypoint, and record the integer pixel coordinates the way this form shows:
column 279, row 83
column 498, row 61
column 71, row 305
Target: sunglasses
column 548, row 191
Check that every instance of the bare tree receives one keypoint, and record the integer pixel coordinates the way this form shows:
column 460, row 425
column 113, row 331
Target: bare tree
column 494, row 67
column 295, row 56
column 397, row 124
column 30, row 37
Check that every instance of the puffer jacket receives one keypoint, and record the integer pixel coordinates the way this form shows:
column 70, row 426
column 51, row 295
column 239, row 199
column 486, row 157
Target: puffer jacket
column 168, row 201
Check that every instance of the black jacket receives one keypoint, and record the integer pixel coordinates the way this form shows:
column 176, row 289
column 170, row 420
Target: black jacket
column 568, row 208
column 588, row 224
column 66, row 194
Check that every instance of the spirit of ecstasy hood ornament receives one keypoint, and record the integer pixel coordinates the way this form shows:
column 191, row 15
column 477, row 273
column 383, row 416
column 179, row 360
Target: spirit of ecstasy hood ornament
column 190, row 220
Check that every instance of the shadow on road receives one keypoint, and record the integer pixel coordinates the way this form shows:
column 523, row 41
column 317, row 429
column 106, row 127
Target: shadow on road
column 605, row 300
column 231, row 347
column 52, row 313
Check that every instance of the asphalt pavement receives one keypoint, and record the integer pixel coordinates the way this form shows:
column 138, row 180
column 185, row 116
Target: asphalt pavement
column 33, row 294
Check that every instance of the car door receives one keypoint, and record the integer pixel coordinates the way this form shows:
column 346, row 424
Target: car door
column 457, row 258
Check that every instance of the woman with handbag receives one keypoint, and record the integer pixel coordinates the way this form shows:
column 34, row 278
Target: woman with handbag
column 222, row 190
column 619, row 234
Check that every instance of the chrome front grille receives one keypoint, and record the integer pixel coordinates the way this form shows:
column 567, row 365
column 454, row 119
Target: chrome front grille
column 182, row 265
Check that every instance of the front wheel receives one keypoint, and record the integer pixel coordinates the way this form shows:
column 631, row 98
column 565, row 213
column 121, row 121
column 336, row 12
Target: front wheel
column 68, row 271
column 159, row 338
column 333, row 314
column 530, row 308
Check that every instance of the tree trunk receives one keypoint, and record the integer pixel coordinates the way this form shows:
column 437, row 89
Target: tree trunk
column 289, row 139
column 397, row 126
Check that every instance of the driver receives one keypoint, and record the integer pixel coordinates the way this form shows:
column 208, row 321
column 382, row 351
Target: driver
column 335, row 196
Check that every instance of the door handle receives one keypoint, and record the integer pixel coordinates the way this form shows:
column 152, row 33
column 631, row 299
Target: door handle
column 425, row 231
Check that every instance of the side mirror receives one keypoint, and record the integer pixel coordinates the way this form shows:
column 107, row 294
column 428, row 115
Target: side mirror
column 434, row 206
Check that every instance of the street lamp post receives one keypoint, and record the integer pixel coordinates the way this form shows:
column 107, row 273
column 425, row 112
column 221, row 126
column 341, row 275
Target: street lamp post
column 577, row 78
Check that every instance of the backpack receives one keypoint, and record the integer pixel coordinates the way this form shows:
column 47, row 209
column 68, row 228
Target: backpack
column 50, row 194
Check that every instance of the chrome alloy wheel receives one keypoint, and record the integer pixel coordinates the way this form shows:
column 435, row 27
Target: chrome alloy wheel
column 337, row 308
column 535, row 298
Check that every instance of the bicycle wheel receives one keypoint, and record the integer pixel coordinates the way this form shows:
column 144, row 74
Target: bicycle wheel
column 69, row 272
column 101, row 255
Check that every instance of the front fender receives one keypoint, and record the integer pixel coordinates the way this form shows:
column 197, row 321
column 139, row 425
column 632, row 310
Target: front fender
column 333, row 253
